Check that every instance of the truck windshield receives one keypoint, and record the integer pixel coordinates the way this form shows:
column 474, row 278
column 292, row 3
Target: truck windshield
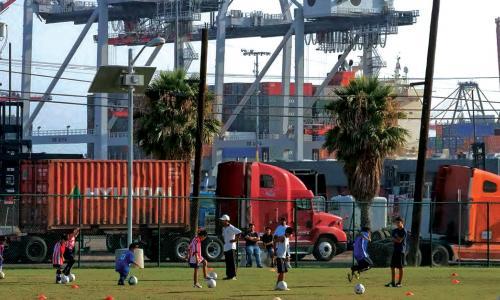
column 319, row 204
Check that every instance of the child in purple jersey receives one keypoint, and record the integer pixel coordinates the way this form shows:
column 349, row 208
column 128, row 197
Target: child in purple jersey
column 123, row 263
column 363, row 260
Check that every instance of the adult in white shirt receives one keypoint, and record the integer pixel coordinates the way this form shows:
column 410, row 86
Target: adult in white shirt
column 230, row 235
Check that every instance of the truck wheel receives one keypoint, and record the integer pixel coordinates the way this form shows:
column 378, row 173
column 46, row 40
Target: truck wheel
column 213, row 249
column 378, row 235
column 180, row 249
column 35, row 249
column 112, row 242
column 440, row 256
column 325, row 249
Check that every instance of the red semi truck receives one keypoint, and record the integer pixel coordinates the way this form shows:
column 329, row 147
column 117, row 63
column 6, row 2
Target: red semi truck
column 268, row 193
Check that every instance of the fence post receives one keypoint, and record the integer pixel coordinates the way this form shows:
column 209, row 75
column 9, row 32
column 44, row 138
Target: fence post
column 488, row 234
column 430, row 229
column 353, row 225
column 296, row 233
column 160, row 200
column 80, row 235
column 459, row 226
column 238, row 220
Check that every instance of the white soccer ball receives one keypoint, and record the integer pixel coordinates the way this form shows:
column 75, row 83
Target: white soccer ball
column 133, row 280
column 64, row 279
column 2, row 275
column 72, row 277
column 211, row 283
column 282, row 286
column 359, row 289
column 212, row 275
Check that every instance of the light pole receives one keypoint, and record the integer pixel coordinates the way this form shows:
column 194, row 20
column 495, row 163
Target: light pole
column 256, row 54
column 131, row 80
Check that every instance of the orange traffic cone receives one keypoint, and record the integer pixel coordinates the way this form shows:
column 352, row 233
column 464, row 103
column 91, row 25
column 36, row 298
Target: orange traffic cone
column 109, row 297
column 75, row 286
column 455, row 281
column 409, row 293
column 42, row 297
column 454, row 274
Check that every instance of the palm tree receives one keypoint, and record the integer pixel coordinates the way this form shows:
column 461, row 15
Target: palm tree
column 166, row 119
column 366, row 132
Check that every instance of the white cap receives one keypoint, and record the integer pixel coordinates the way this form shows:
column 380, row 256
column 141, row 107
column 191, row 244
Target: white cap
column 224, row 218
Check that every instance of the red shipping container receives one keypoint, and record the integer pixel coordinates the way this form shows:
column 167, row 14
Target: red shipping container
column 271, row 88
column 342, row 78
column 492, row 144
column 439, row 130
column 55, row 186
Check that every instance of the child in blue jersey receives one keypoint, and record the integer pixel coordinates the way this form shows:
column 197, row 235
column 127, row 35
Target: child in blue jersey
column 124, row 261
column 363, row 260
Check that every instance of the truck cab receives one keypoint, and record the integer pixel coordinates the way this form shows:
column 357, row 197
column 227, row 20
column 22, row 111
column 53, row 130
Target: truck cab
column 262, row 194
column 467, row 201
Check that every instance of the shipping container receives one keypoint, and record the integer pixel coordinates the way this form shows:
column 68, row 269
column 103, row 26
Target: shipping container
column 57, row 189
column 492, row 144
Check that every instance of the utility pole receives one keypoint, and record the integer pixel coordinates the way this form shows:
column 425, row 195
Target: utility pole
column 256, row 54
column 424, row 135
column 195, row 202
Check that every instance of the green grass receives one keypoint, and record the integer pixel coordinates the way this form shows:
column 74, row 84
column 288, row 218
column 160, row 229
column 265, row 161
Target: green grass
column 305, row 283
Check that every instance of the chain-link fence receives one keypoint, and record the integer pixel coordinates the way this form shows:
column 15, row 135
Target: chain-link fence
column 461, row 232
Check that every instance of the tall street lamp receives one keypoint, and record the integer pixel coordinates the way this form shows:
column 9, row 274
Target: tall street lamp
column 131, row 80
column 256, row 54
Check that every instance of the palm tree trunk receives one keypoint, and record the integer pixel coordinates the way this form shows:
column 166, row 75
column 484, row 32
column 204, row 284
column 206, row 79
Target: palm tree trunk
column 364, row 207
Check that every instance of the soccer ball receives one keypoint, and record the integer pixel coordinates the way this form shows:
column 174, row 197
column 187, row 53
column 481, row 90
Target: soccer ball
column 133, row 280
column 282, row 286
column 64, row 279
column 2, row 275
column 211, row 283
column 72, row 277
column 212, row 275
column 359, row 289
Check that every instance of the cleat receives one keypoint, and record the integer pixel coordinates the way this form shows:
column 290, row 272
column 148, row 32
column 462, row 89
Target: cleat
column 349, row 277
column 390, row 284
column 197, row 286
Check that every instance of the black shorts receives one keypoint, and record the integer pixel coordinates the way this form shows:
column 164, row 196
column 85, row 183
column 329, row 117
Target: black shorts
column 281, row 265
column 365, row 263
column 398, row 260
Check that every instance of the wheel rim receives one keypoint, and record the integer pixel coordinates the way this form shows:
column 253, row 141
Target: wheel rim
column 213, row 250
column 325, row 249
column 438, row 257
column 35, row 250
column 182, row 250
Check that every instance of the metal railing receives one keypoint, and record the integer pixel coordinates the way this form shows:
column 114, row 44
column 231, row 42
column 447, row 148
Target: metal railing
column 447, row 237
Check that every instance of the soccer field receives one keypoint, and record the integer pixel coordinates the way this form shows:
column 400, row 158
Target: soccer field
column 305, row 283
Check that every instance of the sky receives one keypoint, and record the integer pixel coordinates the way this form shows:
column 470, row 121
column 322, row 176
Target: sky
column 466, row 49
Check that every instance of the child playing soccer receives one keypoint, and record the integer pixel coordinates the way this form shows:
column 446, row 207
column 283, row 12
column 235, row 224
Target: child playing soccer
column 282, row 254
column 58, row 256
column 2, row 248
column 123, row 263
column 69, row 254
column 363, row 260
column 195, row 258
column 398, row 255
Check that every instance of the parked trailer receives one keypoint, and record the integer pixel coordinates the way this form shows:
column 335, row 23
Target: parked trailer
column 58, row 195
